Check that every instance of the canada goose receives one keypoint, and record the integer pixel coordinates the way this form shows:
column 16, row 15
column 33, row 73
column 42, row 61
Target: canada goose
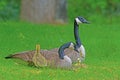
column 42, row 58
column 62, row 57
column 78, row 48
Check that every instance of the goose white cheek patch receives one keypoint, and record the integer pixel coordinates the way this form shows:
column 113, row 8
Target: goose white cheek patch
column 78, row 21
column 71, row 46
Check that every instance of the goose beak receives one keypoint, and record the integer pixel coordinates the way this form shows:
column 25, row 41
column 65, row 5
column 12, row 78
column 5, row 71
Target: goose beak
column 86, row 22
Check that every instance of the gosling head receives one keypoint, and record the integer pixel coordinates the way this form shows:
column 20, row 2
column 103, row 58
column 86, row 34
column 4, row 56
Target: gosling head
column 80, row 20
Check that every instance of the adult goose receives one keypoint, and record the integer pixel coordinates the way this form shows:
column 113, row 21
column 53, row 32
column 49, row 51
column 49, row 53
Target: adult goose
column 62, row 57
column 78, row 50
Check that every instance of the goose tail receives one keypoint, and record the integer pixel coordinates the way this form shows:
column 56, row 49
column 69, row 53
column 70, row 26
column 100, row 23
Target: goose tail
column 8, row 57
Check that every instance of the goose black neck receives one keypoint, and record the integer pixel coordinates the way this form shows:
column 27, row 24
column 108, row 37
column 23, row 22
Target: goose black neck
column 76, row 34
column 62, row 48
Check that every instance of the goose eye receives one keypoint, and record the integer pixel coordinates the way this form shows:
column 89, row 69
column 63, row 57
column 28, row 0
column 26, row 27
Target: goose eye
column 81, row 19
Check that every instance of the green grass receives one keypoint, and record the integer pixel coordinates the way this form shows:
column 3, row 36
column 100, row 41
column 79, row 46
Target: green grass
column 100, row 40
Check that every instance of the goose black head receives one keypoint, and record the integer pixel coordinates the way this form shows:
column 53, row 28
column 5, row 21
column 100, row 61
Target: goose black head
column 81, row 20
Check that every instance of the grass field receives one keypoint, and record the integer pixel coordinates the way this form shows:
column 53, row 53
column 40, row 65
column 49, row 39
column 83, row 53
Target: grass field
column 100, row 40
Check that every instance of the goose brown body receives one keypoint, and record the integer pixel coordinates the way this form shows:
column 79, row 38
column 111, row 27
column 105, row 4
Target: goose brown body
column 51, row 56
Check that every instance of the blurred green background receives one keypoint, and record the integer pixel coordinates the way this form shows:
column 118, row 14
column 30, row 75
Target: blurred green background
column 10, row 9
